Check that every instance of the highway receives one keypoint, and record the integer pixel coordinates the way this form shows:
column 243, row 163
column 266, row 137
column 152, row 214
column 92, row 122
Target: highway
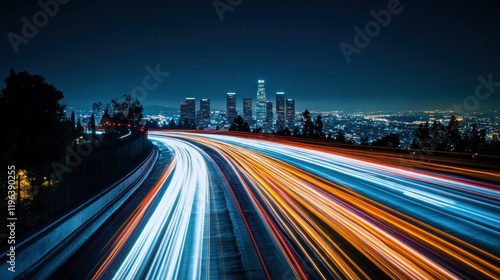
column 225, row 206
column 177, row 226
column 340, row 216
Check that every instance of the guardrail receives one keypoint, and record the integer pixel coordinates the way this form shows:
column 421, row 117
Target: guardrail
column 40, row 255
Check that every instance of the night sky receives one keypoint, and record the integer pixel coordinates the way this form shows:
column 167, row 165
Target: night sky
column 428, row 57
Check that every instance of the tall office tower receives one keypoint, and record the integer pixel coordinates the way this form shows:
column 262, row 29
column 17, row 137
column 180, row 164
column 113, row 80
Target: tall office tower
column 260, row 108
column 247, row 110
column 216, row 117
column 269, row 114
column 184, row 113
column 290, row 112
column 191, row 110
column 231, row 107
column 205, row 112
column 280, row 110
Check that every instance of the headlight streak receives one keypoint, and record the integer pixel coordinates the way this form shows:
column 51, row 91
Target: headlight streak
column 401, row 244
column 178, row 218
column 125, row 232
column 438, row 188
column 272, row 229
column 327, row 215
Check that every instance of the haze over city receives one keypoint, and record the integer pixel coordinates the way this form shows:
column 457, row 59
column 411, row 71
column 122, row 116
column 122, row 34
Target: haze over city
column 428, row 55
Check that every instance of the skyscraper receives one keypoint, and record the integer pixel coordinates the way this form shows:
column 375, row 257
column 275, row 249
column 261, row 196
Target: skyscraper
column 290, row 112
column 191, row 110
column 247, row 110
column 280, row 109
column 231, row 107
column 269, row 114
column 184, row 113
column 205, row 112
column 260, row 108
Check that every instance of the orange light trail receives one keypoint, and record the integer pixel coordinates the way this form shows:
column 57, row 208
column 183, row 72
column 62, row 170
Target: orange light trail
column 316, row 216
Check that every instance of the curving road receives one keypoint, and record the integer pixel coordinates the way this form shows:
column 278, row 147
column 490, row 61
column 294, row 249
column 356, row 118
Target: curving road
column 333, row 215
column 224, row 206
column 177, row 226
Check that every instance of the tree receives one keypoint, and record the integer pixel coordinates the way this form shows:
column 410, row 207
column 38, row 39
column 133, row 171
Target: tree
column 79, row 128
column 92, row 126
column 483, row 146
column 96, row 107
column 318, row 127
column 126, row 110
column 239, row 124
column 308, row 125
column 422, row 139
column 36, row 131
column 454, row 139
column 391, row 140
column 73, row 125
column 340, row 137
column 172, row 124
column 495, row 146
column 439, row 137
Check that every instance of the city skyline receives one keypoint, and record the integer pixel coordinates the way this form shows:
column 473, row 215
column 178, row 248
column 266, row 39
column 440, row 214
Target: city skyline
column 329, row 56
column 250, row 139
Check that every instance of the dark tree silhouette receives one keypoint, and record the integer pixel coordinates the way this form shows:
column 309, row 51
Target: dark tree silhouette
column 422, row 139
column 73, row 125
column 308, row 125
column 483, row 146
column 96, row 107
column 439, row 137
column 391, row 140
column 340, row 137
column 283, row 131
column 318, row 127
column 494, row 148
column 126, row 110
column 79, row 128
column 239, row 124
column 106, row 120
column 152, row 123
column 454, row 139
column 36, row 131
column 92, row 126
column 172, row 124
column 364, row 141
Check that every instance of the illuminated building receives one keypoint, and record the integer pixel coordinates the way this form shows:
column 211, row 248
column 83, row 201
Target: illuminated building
column 290, row 112
column 191, row 110
column 280, row 109
column 205, row 112
column 269, row 113
column 247, row 109
column 184, row 112
column 260, row 108
column 231, row 107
